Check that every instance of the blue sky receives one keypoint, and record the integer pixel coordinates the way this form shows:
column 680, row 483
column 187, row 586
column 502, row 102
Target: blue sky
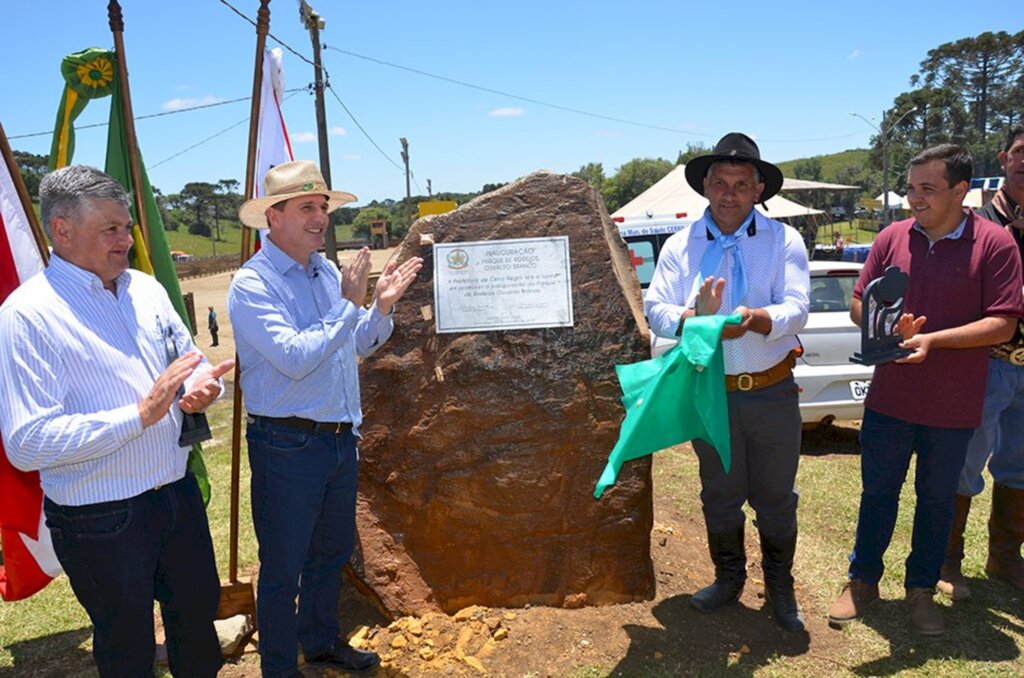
column 787, row 73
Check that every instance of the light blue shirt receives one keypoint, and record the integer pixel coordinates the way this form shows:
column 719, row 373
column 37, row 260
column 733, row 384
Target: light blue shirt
column 955, row 235
column 778, row 280
column 75, row 360
column 298, row 339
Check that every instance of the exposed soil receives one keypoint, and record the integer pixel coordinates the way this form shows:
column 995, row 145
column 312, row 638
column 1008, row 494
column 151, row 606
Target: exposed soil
column 665, row 636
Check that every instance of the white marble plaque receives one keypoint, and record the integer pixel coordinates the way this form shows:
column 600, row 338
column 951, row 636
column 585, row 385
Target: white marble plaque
column 502, row 285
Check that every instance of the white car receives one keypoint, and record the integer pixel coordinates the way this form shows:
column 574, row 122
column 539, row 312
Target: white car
column 831, row 387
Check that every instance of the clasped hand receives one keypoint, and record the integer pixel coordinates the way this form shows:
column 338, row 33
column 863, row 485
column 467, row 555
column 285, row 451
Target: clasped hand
column 200, row 395
column 709, row 301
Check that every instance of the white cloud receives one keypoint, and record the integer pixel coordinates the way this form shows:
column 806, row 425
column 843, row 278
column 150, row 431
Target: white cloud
column 351, row 156
column 507, row 112
column 178, row 104
column 855, row 54
column 337, row 131
column 608, row 133
column 303, row 138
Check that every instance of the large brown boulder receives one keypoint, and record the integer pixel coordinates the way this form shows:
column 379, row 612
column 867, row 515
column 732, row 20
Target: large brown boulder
column 481, row 450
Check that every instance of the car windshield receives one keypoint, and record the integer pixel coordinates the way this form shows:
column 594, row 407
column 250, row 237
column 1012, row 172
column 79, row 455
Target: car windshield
column 832, row 292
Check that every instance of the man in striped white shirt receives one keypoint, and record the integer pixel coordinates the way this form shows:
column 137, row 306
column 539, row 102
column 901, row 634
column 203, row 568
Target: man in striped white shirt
column 90, row 389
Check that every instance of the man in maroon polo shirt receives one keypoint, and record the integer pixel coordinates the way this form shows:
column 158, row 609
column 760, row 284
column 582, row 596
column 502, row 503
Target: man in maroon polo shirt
column 964, row 295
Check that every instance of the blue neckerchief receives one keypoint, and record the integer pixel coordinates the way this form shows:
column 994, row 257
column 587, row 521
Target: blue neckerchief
column 712, row 258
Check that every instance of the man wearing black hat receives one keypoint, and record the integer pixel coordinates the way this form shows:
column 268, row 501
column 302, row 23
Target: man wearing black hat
column 734, row 260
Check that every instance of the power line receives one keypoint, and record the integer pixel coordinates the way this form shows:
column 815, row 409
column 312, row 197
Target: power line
column 273, row 37
column 151, row 115
column 293, row 92
column 361, row 129
column 559, row 107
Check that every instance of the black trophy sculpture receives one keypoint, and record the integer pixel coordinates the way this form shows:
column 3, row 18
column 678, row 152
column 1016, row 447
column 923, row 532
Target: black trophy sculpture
column 881, row 309
column 194, row 426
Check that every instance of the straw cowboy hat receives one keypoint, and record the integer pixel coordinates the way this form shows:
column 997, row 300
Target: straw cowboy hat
column 735, row 147
column 290, row 180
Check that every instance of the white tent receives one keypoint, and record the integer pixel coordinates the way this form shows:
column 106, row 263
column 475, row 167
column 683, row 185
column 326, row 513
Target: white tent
column 672, row 195
column 895, row 199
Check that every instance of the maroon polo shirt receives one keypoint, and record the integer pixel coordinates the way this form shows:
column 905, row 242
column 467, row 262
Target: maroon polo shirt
column 954, row 283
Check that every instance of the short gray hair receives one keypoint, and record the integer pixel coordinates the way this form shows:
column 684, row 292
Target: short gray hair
column 70, row 191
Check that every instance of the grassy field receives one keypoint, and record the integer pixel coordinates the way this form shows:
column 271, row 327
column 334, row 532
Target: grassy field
column 985, row 636
column 230, row 240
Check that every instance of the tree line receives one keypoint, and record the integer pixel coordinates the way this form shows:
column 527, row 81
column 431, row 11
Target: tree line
column 969, row 91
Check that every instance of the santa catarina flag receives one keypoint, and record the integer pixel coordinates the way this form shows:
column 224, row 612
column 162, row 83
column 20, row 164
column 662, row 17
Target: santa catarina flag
column 29, row 562
column 273, row 145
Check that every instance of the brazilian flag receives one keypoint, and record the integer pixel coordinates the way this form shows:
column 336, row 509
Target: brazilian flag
column 92, row 74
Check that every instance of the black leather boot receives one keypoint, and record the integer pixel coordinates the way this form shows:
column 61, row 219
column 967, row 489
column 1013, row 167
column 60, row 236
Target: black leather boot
column 730, row 571
column 777, row 563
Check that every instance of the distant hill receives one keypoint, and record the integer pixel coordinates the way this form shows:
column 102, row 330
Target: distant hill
column 832, row 165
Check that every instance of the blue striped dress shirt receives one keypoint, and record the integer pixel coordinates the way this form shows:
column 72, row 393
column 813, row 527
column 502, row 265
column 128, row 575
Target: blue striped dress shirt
column 75, row 360
column 298, row 339
column 778, row 280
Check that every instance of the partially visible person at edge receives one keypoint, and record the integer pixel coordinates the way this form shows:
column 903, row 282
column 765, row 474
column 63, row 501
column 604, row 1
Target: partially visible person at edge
column 89, row 382
column 963, row 296
column 299, row 325
column 999, row 441
column 735, row 260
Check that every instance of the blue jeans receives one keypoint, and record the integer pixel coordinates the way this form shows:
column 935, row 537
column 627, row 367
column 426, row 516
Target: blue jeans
column 886, row 447
column 1001, row 434
column 121, row 555
column 303, row 511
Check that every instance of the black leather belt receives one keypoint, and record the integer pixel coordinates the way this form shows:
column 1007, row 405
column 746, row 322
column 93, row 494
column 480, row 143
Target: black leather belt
column 309, row 425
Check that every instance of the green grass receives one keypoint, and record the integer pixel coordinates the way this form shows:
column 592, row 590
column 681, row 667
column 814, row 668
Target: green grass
column 832, row 163
column 985, row 636
column 230, row 240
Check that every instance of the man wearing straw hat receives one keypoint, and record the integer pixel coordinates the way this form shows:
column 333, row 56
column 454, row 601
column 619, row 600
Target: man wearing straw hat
column 93, row 398
column 299, row 324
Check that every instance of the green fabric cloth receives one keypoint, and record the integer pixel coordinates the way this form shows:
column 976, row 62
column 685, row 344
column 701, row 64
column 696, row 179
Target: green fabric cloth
column 674, row 398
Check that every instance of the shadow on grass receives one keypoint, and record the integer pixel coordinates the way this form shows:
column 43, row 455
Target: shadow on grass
column 736, row 640
column 831, row 439
column 56, row 656
column 977, row 630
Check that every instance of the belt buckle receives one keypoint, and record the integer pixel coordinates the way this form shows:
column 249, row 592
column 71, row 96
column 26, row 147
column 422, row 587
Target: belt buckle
column 338, row 426
column 1017, row 357
column 744, row 382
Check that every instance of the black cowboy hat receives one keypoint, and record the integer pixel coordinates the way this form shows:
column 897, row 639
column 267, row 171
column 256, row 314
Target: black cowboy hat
column 736, row 147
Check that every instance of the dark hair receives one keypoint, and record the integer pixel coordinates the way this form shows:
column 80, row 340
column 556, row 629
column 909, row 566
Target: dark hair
column 1015, row 131
column 957, row 159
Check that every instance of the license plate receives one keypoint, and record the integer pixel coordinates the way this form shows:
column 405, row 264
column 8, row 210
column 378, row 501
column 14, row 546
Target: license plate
column 859, row 389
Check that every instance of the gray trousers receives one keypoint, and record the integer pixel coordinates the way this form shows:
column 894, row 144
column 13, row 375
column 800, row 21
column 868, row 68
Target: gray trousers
column 765, row 434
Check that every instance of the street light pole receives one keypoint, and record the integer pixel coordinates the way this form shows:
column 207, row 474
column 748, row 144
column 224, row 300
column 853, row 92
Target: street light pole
column 885, row 134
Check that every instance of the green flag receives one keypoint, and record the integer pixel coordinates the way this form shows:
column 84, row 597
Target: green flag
column 88, row 75
column 674, row 398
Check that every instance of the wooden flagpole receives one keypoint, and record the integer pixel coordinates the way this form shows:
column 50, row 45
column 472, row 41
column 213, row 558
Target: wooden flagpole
column 26, row 201
column 238, row 596
column 117, row 28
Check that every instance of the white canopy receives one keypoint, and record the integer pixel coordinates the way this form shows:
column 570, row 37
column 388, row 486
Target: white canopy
column 895, row 199
column 672, row 195
column 805, row 185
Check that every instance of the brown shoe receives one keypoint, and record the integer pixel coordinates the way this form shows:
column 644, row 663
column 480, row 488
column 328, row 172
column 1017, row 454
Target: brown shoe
column 924, row 614
column 1005, row 536
column 855, row 597
column 951, row 579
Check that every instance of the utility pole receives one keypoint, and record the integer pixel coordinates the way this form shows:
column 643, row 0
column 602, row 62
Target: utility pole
column 314, row 24
column 408, row 190
column 885, row 134
column 430, row 191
